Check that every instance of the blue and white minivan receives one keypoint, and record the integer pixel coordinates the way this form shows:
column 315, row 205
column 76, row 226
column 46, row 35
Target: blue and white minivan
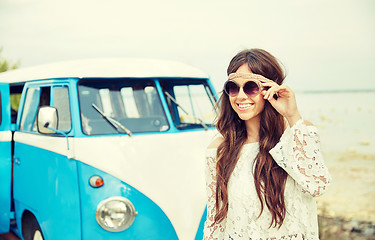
column 104, row 149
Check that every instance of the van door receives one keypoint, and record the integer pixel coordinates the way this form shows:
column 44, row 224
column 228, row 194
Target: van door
column 5, row 158
column 45, row 178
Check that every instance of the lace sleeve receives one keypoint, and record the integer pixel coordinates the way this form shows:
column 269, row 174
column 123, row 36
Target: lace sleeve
column 298, row 153
column 211, row 231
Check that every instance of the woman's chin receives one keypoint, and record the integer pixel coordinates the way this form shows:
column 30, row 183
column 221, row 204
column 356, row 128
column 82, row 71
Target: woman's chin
column 247, row 116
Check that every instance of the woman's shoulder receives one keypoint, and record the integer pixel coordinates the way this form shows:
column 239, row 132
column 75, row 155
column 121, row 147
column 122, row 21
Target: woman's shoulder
column 211, row 152
column 216, row 143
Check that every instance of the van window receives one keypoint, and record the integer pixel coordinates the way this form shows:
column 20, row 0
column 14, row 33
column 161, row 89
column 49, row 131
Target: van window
column 195, row 102
column 62, row 104
column 15, row 97
column 129, row 101
column 190, row 102
column 37, row 97
column 134, row 103
column 30, row 109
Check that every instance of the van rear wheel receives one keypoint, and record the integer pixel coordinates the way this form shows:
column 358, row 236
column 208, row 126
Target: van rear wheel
column 30, row 228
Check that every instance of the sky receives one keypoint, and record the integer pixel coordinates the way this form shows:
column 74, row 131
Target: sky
column 322, row 44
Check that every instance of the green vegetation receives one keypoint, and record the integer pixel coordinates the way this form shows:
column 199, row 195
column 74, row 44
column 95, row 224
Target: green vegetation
column 6, row 65
column 15, row 101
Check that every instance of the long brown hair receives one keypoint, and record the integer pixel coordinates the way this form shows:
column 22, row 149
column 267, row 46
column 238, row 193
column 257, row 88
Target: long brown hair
column 269, row 178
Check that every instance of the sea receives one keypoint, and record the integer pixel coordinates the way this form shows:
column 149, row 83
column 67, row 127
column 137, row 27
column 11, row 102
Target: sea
column 346, row 120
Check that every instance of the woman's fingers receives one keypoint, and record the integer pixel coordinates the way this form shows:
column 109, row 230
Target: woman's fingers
column 285, row 104
column 271, row 91
column 274, row 88
column 284, row 91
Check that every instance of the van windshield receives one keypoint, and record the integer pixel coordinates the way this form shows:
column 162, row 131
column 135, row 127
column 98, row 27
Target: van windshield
column 190, row 102
column 134, row 103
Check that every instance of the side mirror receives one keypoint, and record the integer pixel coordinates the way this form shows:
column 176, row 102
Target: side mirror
column 47, row 120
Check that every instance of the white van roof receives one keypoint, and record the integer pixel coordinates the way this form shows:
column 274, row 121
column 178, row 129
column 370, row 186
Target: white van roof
column 104, row 68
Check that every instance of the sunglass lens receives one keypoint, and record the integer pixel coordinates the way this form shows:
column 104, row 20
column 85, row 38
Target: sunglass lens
column 231, row 88
column 251, row 88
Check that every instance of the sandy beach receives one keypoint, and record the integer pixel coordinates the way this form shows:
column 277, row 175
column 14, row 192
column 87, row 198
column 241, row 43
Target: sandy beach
column 347, row 209
column 351, row 194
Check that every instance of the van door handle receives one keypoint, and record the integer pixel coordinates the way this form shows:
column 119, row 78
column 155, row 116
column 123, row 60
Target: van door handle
column 17, row 161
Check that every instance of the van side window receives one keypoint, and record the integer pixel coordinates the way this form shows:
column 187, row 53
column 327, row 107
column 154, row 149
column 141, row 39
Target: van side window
column 30, row 109
column 15, row 97
column 37, row 97
column 62, row 104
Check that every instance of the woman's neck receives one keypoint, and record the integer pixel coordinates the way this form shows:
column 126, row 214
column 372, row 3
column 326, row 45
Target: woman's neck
column 252, row 129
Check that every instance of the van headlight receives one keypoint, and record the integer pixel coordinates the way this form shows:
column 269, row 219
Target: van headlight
column 115, row 214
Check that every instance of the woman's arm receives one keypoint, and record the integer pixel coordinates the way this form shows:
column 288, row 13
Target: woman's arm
column 298, row 153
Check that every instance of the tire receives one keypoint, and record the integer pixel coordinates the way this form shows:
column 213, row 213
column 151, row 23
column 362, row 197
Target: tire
column 30, row 228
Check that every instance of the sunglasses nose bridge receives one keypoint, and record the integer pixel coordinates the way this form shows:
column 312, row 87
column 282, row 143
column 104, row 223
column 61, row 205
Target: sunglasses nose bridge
column 241, row 93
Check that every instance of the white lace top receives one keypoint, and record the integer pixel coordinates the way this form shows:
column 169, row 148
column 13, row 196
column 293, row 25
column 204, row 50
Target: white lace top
column 298, row 153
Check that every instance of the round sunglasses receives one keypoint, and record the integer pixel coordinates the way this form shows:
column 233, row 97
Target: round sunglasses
column 251, row 88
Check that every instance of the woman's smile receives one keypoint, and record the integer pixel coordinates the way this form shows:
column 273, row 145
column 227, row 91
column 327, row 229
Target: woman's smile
column 244, row 106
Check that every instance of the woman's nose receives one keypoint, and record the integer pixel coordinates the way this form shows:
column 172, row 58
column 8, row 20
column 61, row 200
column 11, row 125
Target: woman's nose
column 241, row 93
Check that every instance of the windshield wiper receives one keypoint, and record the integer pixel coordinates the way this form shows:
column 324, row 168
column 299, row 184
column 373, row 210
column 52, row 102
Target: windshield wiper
column 113, row 122
column 178, row 105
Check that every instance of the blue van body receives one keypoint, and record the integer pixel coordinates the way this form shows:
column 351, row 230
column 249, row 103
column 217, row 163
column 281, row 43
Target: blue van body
column 104, row 149
column 5, row 158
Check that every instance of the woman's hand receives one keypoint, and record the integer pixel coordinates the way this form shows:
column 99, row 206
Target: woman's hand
column 285, row 104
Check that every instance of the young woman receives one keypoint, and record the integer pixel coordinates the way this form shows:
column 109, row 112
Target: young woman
column 266, row 168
